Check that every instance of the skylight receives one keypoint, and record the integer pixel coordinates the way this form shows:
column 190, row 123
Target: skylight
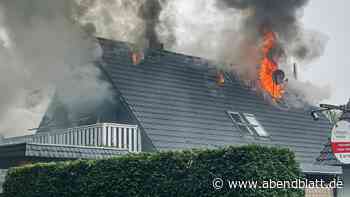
column 248, row 123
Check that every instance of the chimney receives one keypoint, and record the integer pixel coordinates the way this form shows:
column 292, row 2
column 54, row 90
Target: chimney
column 295, row 71
column 154, row 43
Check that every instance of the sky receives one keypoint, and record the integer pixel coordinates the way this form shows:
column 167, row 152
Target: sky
column 333, row 68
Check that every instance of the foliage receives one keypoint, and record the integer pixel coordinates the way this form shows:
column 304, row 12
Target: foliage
column 186, row 173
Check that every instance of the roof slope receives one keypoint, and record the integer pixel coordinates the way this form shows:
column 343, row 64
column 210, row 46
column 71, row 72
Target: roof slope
column 58, row 151
column 176, row 101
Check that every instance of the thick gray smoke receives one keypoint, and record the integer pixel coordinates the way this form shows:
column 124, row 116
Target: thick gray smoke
column 150, row 12
column 44, row 50
column 132, row 21
column 279, row 16
column 230, row 33
column 114, row 19
column 282, row 17
column 49, row 46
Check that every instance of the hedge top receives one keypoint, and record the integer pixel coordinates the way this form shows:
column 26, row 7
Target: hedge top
column 185, row 173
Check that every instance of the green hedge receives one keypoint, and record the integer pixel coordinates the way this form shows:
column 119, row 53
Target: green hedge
column 188, row 173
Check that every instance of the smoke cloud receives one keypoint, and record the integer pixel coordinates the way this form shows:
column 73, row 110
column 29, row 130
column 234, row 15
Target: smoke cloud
column 49, row 47
column 44, row 50
column 230, row 33
column 132, row 21
column 150, row 12
column 301, row 92
column 282, row 17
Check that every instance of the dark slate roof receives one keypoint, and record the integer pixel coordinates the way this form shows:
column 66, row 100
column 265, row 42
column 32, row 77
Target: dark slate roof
column 178, row 105
column 58, row 151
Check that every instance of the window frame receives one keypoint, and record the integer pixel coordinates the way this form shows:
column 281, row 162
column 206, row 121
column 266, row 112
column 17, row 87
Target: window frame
column 245, row 122
column 258, row 128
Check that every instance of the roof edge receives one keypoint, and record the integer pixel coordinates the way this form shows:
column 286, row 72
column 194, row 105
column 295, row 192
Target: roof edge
column 125, row 104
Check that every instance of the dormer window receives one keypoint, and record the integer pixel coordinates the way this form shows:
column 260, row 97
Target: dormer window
column 248, row 124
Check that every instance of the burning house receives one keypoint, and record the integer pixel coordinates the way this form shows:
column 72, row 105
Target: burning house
column 163, row 100
column 170, row 101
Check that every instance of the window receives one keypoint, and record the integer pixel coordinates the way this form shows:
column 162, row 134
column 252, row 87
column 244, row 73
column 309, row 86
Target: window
column 248, row 123
column 242, row 124
column 256, row 125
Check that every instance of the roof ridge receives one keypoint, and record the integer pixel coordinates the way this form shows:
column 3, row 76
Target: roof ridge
column 164, row 51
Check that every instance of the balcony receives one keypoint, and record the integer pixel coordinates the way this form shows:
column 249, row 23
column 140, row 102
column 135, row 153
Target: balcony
column 109, row 135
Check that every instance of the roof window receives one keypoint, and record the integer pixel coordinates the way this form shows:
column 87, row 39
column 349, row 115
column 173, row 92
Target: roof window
column 248, row 123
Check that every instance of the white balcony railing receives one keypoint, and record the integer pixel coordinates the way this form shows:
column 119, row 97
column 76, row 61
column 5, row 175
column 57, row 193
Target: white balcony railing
column 98, row 135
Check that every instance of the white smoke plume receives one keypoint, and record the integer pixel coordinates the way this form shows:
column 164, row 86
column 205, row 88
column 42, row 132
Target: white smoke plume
column 44, row 50
column 133, row 21
column 305, row 91
column 114, row 19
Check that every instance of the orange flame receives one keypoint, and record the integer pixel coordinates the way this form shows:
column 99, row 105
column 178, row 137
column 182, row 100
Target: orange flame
column 269, row 66
column 220, row 78
column 136, row 58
